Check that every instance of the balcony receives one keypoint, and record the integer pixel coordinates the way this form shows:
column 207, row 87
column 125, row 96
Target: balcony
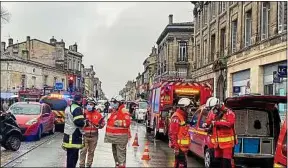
column 182, row 62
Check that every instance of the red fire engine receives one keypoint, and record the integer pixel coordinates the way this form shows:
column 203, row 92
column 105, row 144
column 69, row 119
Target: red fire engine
column 163, row 98
column 29, row 95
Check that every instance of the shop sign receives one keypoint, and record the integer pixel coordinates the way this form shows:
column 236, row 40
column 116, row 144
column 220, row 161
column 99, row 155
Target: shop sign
column 282, row 71
column 236, row 89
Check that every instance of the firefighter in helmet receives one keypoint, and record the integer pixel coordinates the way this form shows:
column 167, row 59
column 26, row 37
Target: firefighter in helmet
column 178, row 133
column 221, row 121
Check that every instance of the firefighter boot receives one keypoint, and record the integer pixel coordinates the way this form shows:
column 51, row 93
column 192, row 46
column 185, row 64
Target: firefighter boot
column 226, row 163
column 121, row 166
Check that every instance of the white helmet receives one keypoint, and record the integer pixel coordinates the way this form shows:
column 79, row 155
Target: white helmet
column 212, row 101
column 184, row 102
column 117, row 98
column 91, row 100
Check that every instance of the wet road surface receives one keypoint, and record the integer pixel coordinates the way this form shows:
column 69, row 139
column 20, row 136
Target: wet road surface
column 50, row 153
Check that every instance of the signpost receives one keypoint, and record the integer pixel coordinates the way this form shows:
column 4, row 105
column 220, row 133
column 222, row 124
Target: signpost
column 58, row 86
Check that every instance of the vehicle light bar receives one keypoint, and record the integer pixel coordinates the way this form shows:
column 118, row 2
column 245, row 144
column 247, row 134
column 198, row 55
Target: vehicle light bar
column 57, row 96
column 186, row 91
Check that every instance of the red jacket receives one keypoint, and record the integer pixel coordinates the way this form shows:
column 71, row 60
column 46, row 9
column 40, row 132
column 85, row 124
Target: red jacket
column 175, row 128
column 121, row 117
column 223, row 135
column 94, row 117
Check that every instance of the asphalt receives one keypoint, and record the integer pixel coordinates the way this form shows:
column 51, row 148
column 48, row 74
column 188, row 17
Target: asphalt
column 48, row 152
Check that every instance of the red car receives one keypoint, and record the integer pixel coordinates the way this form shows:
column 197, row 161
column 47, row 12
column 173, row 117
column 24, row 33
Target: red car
column 257, row 127
column 33, row 118
column 280, row 159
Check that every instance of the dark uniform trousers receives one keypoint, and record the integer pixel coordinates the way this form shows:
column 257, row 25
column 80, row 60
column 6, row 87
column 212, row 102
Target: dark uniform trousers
column 72, row 157
column 180, row 160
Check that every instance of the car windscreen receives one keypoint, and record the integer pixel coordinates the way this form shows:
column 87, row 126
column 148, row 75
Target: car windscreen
column 25, row 109
column 143, row 105
column 55, row 104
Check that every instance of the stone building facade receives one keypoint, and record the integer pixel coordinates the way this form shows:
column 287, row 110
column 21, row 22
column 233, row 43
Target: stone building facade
column 53, row 54
column 18, row 73
column 175, row 51
column 92, row 84
column 232, row 37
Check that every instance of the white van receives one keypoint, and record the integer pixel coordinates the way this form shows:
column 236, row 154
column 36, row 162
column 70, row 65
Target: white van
column 141, row 111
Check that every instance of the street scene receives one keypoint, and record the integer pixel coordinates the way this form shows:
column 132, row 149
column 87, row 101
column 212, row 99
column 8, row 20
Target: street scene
column 124, row 84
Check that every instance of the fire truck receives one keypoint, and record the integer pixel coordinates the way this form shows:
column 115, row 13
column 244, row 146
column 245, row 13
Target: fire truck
column 163, row 99
column 29, row 95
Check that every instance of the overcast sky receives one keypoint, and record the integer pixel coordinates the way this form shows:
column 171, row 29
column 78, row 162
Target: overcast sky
column 115, row 37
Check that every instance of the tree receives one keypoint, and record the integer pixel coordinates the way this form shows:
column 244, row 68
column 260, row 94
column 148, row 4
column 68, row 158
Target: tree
column 5, row 15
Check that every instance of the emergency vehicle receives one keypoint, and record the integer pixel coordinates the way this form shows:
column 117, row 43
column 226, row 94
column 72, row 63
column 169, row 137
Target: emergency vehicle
column 280, row 158
column 58, row 103
column 29, row 94
column 165, row 95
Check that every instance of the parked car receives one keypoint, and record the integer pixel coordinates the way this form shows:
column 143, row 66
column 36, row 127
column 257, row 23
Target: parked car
column 34, row 119
column 141, row 111
column 257, row 127
column 10, row 135
column 280, row 159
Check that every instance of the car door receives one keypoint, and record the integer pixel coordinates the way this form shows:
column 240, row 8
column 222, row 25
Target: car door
column 45, row 117
column 193, row 132
column 201, row 132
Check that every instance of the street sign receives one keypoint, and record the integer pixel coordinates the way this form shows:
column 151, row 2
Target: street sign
column 236, row 89
column 282, row 71
column 276, row 78
column 58, row 86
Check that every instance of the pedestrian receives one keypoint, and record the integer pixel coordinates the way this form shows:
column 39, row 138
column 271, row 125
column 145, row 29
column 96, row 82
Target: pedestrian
column 95, row 121
column 5, row 105
column 106, row 109
column 74, row 122
column 221, row 121
column 179, row 138
column 117, row 131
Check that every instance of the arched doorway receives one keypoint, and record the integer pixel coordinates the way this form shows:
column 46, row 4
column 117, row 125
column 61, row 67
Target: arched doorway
column 220, row 93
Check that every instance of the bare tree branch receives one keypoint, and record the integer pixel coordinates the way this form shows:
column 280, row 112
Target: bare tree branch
column 5, row 15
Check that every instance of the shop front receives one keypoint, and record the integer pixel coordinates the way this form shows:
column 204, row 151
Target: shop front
column 241, row 82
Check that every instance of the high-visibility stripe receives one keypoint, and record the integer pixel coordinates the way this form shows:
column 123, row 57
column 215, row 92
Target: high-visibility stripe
column 78, row 117
column 116, row 130
column 198, row 132
column 276, row 165
column 221, row 139
column 183, row 142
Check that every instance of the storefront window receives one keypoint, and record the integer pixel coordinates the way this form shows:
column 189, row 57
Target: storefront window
column 268, row 89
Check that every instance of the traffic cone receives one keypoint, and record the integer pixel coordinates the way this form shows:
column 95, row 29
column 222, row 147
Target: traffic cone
column 146, row 153
column 135, row 143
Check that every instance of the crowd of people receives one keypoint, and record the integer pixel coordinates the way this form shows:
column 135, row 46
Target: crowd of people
column 6, row 103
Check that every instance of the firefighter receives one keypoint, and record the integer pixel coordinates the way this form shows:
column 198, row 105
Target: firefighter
column 95, row 121
column 223, row 138
column 117, row 131
column 178, row 133
column 74, row 122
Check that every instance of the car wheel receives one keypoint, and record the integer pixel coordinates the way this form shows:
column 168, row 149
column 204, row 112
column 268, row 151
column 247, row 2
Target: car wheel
column 52, row 131
column 39, row 134
column 13, row 142
column 209, row 158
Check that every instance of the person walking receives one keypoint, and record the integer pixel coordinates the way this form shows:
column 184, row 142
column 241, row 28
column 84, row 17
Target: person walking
column 5, row 105
column 74, row 122
column 117, row 131
column 95, row 122
column 179, row 138
column 223, row 137
column 106, row 109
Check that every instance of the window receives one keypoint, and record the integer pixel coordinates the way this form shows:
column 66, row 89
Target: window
column 45, row 79
column 182, row 51
column 222, row 41
column 33, row 81
column 282, row 16
column 213, row 42
column 74, row 65
column 25, row 109
column 205, row 49
column 195, row 118
column 265, row 17
column 198, row 56
column 222, row 7
column 268, row 89
column 23, row 81
column 248, row 27
column 199, row 19
column 205, row 15
column 182, row 72
column 213, row 10
column 69, row 64
column 233, row 35
column 203, row 117
column 165, row 66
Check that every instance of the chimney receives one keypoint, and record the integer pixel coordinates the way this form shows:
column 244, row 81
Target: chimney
column 53, row 40
column 10, row 41
column 62, row 43
column 91, row 66
column 3, row 46
column 170, row 19
column 154, row 50
column 28, row 38
column 75, row 47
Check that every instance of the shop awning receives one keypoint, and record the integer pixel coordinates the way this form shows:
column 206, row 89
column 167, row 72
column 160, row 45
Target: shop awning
column 6, row 95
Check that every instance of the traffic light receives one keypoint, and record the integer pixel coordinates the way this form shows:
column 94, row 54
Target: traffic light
column 70, row 83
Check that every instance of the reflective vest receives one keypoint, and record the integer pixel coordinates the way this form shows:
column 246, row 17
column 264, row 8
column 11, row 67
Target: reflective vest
column 93, row 117
column 122, row 115
column 71, row 130
column 223, row 137
column 183, row 138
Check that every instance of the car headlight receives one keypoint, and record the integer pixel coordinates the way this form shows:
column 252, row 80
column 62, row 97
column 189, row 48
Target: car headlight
column 31, row 122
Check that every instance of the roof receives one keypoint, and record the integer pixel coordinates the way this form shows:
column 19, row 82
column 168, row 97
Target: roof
column 176, row 27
